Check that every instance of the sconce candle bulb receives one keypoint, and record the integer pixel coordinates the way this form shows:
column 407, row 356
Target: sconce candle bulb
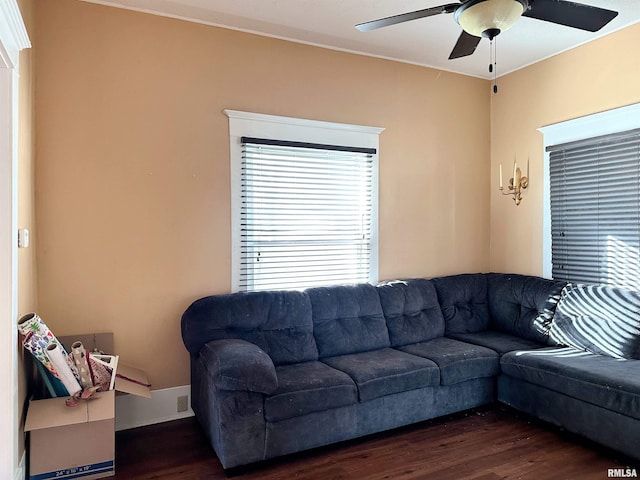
column 517, row 183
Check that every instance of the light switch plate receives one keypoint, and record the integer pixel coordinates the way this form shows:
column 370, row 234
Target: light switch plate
column 23, row 237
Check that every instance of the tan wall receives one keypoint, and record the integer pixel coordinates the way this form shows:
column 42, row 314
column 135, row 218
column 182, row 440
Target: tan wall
column 27, row 273
column 598, row 76
column 133, row 164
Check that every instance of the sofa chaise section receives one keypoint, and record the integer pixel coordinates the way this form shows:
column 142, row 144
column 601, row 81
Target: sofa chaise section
column 610, row 383
column 589, row 383
column 592, row 395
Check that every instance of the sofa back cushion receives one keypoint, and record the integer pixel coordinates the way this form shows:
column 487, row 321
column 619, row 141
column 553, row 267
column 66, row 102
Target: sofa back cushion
column 522, row 305
column 600, row 319
column 347, row 319
column 463, row 301
column 278, row 322
column 411, row 310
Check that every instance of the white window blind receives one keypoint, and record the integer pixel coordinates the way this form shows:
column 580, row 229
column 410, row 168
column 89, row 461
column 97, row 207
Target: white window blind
column 595, row 210
column 306, row 214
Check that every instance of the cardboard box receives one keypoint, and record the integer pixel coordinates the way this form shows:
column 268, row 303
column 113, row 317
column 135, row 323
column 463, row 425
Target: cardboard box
column 72, row 442
column 128, row 379
column 79, row 442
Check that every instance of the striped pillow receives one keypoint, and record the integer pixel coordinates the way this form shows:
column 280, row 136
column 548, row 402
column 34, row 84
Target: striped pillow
column 600, row 319
column 543, row 321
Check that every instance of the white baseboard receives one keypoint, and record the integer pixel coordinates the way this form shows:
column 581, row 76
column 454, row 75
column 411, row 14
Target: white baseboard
column 20, row 471
column 133, row 411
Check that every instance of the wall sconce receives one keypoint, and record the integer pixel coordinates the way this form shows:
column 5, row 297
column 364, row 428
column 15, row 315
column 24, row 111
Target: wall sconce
column 517, row 183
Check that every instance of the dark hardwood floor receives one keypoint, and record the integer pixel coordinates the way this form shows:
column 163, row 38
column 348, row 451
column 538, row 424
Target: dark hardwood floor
column 485, row 444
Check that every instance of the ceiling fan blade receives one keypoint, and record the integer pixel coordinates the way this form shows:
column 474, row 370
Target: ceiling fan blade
column 570, row 14
column 406, row 17
column 465, row 45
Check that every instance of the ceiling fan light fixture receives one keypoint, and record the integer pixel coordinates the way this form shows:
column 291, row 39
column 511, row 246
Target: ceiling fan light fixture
column 487, row 18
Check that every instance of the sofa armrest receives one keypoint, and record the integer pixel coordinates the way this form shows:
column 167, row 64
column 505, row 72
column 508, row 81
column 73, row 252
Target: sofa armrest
column 234, row 364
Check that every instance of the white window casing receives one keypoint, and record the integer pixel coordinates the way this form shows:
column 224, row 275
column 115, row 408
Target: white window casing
column 304, row 203
column 593, row 162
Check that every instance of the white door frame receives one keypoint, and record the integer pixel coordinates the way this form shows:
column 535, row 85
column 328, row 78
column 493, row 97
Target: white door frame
column 13, row 38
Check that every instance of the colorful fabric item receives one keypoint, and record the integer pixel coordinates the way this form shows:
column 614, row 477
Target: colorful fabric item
column 100, row 374
column 80, row 355
column 37, row 338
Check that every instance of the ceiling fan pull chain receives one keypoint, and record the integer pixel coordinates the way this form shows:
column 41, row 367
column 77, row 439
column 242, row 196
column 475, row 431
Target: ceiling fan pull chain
column 491, row 56
column 494, row 67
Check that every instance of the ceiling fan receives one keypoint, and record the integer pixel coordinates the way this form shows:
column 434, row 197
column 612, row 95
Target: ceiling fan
column 487, row 18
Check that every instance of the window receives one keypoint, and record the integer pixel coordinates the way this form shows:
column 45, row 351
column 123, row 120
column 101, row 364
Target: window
column 304, row 202
column 594, row 203
column 595, row 210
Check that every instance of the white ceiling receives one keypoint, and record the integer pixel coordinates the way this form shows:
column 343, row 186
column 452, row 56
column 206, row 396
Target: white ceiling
column 428, row 41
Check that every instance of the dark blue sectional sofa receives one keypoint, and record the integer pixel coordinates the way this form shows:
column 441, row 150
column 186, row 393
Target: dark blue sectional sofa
column 274, row 373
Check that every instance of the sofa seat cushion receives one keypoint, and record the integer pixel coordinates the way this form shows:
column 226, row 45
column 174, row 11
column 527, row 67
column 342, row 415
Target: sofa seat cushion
column 306, row 388
column 498, row 341
column 605, row 381
column 385, row 371
column 458, row 361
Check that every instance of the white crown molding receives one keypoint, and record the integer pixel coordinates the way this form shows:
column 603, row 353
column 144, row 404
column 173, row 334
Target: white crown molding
column 13, row 34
